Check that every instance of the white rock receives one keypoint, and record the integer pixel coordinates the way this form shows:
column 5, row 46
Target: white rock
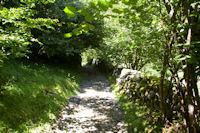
column 128, row 73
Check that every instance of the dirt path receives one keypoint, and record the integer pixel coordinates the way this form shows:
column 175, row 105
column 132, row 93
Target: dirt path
column 93, row 110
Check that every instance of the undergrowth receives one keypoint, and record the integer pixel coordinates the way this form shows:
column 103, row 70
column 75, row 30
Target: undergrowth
column 33, row 95
column 139, row 118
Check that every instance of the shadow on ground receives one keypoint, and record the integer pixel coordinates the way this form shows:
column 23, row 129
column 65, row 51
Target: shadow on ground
column 93, row 110
column 33, row 95
column 139, row 118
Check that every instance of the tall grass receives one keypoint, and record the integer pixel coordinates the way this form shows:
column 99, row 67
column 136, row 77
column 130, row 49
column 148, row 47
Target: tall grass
column 34, row 94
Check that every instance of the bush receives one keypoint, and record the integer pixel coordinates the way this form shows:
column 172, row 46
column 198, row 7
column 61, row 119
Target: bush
column 143, row 89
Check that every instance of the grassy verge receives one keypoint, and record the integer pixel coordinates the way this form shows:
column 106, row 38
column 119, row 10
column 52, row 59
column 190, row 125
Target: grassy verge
column 139, row 118
column 34, row 94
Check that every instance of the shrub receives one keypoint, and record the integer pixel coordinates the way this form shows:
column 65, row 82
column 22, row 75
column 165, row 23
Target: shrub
column 143, row 89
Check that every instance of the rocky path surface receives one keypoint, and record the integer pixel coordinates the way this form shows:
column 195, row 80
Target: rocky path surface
column 93, row 110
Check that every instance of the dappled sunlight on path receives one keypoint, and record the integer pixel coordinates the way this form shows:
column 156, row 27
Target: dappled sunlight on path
column 93, row 110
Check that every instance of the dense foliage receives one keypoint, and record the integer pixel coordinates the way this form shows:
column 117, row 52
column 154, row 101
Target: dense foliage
column 129, row 43
column 178, row 25
column 47, row 28
column 72, row 33
column 16, row 22
column 122, row 34
column 165, row 34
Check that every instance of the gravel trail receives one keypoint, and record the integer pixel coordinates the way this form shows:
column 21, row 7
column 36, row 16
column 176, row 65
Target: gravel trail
column 93, row 110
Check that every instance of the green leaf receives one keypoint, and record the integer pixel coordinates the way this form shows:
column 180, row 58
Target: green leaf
column 70, row 11
column 184, row 58
column 93, row 5
column 91, row 27
column 103, row 4
column 119, row 11
column 87, row 15
column 125, row 1
column 133, row 44
column 192, row 15
column 77, row 31
column 36, row 40
column 196, row 42
column 68, row 35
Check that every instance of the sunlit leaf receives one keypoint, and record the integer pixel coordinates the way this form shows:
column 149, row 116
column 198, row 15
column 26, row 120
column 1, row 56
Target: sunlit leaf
column 70, row 11
column 68, row 35
column 77, row 31
column 103, row 4
column 119, row 11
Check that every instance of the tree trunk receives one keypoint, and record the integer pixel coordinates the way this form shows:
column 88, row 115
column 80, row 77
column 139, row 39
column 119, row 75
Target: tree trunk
column 191, row 120
column 161, row 88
